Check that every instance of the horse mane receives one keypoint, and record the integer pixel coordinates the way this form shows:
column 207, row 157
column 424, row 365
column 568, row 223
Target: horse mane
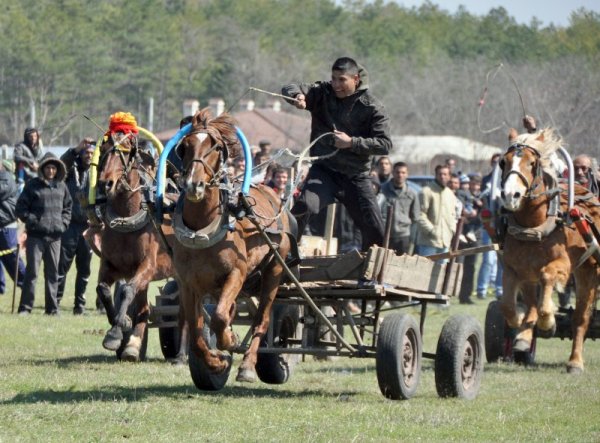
column 546, row 143
column 221, row 129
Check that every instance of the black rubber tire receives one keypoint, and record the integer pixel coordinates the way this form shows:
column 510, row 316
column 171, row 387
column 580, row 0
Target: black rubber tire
column 276, row 369
column 459, row 358
column 399, row 355
column 169, row 338
column 203, row 378
column 495, row 338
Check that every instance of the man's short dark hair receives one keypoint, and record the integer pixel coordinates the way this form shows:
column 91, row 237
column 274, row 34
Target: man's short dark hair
column 440, row 167
column 280, row 170
column 346, row 65
column 400, row 165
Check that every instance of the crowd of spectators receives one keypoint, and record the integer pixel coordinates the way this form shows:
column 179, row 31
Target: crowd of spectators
column 45, row 193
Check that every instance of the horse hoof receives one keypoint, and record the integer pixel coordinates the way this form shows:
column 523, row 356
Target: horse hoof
column 574, row 370
column 546, row 333
column 246, row 376
column 112, row 339
column 130, row 354
column 521, row 345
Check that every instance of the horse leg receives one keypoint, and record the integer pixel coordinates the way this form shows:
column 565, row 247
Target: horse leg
column 184, row 340
column 135, row 289
column 114, row 336
column 585, row 282
column 260, row 323
column 134, row 344
column 194, row 319
column 553, row 275
column 508, row 304
column 223, row 315
column 524, row 337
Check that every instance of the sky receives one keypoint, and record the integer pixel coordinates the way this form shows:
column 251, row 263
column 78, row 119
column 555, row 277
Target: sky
column 547, row 11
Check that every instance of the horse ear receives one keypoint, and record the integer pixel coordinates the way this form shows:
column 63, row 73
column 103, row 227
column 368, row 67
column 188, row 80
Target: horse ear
column 512, row 135
column 147, row 158
column 541, row 137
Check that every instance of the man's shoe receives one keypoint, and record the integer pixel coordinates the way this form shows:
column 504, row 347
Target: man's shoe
column 24, row 313
column 481, row 296
column 467, row 302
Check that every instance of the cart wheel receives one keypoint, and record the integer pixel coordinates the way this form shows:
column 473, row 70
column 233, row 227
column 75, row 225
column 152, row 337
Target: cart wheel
column 203, row 378
column 459, row 358
column 494, row 332
column 398, row 359
column 276, row 368
column 170, row 338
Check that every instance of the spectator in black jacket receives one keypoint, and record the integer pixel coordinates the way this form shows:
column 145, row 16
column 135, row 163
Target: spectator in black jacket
column 27, row 156
column 73, row 246
column 351, row 127
column 8, row 230
column 45, row 208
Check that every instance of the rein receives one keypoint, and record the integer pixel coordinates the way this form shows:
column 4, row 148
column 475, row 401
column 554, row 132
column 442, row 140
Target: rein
column 141, row 218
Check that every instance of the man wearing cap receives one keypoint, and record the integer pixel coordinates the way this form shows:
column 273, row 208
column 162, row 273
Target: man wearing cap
column 45, row 208
column 73, row 246
column 349, row 126
column 27, row 156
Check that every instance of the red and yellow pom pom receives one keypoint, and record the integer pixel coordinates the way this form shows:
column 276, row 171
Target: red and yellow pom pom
column 122, row 122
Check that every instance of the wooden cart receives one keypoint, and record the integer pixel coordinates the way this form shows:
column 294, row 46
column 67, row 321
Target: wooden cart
column 350, row 305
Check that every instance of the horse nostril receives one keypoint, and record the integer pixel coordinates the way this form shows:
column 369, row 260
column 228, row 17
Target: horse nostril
column 517, row 195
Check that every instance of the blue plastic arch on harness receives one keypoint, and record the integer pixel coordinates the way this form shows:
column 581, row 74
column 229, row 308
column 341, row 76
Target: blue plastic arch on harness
column 162, row 165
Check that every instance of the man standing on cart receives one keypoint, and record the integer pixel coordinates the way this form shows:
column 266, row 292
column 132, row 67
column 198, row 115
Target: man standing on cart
column 351, row 127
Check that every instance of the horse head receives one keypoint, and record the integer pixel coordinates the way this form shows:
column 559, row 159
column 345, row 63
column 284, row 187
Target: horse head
column 204, row 153
column 524, row 164
column 120, row 160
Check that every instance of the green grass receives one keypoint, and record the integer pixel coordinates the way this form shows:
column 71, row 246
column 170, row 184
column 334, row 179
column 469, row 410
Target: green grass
column 57, row 383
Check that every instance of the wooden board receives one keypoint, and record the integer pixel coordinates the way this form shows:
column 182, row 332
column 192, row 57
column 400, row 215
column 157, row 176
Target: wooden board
column 412, row 272
column 340, row 267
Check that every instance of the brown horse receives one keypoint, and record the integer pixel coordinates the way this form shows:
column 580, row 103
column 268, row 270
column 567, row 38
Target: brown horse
column 215, row 254
column 542, row 248
column 131, row 247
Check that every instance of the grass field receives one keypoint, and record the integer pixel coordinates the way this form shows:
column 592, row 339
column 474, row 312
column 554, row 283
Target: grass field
column 57, row 383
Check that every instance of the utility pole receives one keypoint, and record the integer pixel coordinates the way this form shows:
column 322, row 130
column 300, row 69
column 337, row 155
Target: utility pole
column 151, row 114
column 31, row 113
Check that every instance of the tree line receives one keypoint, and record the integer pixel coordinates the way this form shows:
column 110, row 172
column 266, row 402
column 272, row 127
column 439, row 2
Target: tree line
column 429, row 66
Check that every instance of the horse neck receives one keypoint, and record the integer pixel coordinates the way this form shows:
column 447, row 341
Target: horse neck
column 198, row 215
column 534, row 211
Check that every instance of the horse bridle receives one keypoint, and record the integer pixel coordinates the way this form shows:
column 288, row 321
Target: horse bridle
column 531, row 187
column 128, row 164
column 215, row 177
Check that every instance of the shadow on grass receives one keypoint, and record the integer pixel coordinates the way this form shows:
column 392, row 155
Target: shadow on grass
column 113, row 393
column 510, row 367
column 327, row 368
column 108, row 358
